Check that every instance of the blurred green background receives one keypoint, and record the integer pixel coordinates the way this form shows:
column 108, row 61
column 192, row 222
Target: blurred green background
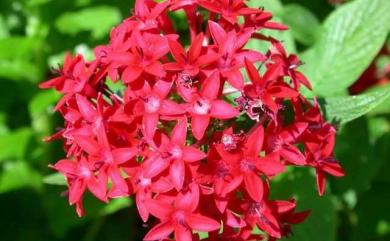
column 34, row 36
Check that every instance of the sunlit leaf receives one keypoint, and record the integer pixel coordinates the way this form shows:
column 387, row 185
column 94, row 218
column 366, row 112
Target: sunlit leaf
column 351, row 37
column 17, row 175
column 346, row 108
column 303, row 24
column 14, row 144
column 55, row 179
column 97, row 20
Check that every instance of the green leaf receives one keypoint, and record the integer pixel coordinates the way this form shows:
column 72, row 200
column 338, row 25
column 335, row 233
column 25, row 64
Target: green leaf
column 359, row 151
column 372, row 214
column 274, row 6
column 42, row 102
column 4, row 33
column 16, row 47
column 18, row 175
column 14, row 144
column 352, row 37
column 303, row 24
column 55, row 179
column 116, row 205
column 19, row 69
column 383, row 108
column 346, row 108
column 98, row 20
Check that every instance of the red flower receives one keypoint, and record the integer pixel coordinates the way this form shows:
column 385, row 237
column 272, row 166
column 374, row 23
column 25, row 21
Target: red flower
column 229, row 10
column 180, row 217
column 135, row 142
column 287, row 65
column 230, row 48
column 248, row 164
column 174, row 154
column 152, row 104
column 320, row 156
column 261, row 97
column 81, row 176
column 206, row 105
column 282, row 140
column 189, row 63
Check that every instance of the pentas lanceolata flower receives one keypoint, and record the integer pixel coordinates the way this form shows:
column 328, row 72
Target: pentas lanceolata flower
column 194, row 159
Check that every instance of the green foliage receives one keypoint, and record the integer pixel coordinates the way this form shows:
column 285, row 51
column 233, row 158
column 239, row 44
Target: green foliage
column 351, row 38
column 346, row 108
column 98, row 20
column 303, row 24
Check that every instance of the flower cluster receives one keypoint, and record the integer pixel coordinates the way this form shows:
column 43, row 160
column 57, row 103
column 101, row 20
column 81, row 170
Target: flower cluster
column 194, row 159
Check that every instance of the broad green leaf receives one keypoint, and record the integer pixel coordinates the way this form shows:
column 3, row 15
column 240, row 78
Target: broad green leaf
column 346, row 108
column 98, row 20
column 352, row 36
column 17, row 175
column 383, row 108
column 55, row 179
column 303, row 24
column 14, row 144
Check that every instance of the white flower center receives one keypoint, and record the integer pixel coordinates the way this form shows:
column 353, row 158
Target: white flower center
column 152, row 104
column 202, row 107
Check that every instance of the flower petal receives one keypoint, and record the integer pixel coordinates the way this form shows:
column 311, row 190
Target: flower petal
column 321, row 181
column 177, row 172
column 210, row 86
column 149, row 122
column 192, row 154
column 217, row 32
column 154, row 166
column 169, row 107
column 270, row 165
column 86, row 108
column 182, row 234
column 122, row 155
column 159, row 232
column 159, row 209
column 199, row 124
column 131, row 73
column 179, row 133
column 254, row 142
column 293, row 155
column 195, row 48
column 222, row 110
column 202, row 223
column 254, row 186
